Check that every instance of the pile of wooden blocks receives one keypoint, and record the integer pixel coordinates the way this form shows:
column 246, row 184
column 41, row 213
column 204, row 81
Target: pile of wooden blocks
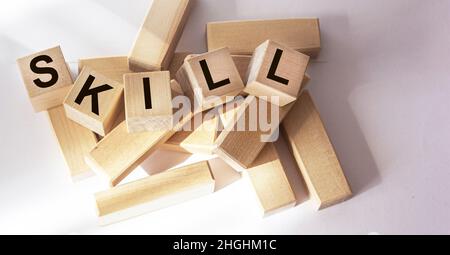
column 120, row 110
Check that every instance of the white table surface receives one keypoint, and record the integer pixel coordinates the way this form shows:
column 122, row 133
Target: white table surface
column 382, row 84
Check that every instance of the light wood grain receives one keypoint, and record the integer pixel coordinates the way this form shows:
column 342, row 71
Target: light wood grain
column 174, row 142
column 242, row 63
column 242, row 37
column 43, row 98
column 176, row 63
column 159, row 35
column 111, row 67
column 228, row 112
column 198, row 138
column 120, row 152
column 109, row 102
column 158, row 117
column 270, row 182
column 194, row 82
column 176, row 89
column 240, row 148
column 74, row 141
column 290, row 68
column 154, row 192
column 314, row 153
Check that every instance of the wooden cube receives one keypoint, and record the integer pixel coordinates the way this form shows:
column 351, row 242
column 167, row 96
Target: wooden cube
column 314, row 153
column 94, row 101
column 241, row 61
column 269, row 180
column 210, row 79
column 159, row 35
column 46, row 78
column 276, row 70
column 113, row 68
column 154, row 192
column 148, row 101
column 243, row 36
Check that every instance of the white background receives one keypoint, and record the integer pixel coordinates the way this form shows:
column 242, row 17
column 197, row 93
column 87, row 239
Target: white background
column 382, row 84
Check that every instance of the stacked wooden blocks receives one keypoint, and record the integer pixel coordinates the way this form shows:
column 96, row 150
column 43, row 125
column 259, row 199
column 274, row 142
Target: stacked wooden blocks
column 120, row 110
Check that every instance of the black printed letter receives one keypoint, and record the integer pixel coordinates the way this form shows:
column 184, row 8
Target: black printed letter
column 86, row 91
column 273, row 69
column 44, row 70
column 147, row 93
column 211, row 84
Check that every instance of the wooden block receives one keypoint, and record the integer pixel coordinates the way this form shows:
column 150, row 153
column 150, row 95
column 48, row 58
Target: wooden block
column 228, row 112
column 239, row 148
column 242, row 37
column 174, row 142
column 314, row 153
column 120, row 152
column 159, row 35
column 198, row 138
column 210, row 79
column 148, row 101
column 46, row 77
column 154, row 192
column 270, row 182
column 242, row 63
column 74, row 141
column 204, row 134
column 176, row 89
column 305, row 82
column 229, row 143
column 111, row 67
column 276, row 70
column 177, row 62
column 94, row 101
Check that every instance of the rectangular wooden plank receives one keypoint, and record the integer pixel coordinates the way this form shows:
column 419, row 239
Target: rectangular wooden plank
column 159, row 35
column 75, row 142
column 120, row 152
column 270, row 182
column 242, row 37
column 154, row 192
column 314, row 153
